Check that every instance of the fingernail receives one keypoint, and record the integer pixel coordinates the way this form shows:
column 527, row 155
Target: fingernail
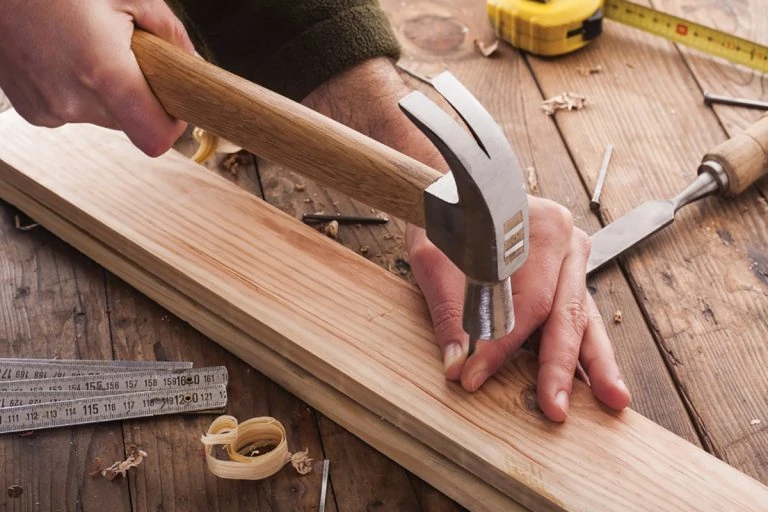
column 478, row 379
column 622, row 385
column 561, row 400
column 451, row 355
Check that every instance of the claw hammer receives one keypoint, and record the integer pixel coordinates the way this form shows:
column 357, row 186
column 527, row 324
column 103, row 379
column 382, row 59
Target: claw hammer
column 477, row 214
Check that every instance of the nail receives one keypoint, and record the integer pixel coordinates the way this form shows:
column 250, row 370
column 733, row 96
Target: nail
column 561, row 400
column 452, row 355
column 594, row 204
column 348, row 219
column 710, row 98
column 478, row 379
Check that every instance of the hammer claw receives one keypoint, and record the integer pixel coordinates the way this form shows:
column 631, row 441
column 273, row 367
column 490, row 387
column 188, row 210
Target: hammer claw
column 483, row 127
column 478, row 214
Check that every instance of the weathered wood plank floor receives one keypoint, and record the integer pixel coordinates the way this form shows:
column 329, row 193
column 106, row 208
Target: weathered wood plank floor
column 694, row 298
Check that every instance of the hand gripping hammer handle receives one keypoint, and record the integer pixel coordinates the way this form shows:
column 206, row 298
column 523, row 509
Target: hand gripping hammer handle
column 283, row 131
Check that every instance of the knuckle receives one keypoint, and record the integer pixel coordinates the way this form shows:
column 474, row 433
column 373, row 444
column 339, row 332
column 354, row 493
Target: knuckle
column 422, row 254
column 560, row 219
column 581, row 241
column 575, row 316
column 446, row 315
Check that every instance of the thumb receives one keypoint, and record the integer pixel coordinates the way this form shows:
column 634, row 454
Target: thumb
column 442, row 284
column 156, row 17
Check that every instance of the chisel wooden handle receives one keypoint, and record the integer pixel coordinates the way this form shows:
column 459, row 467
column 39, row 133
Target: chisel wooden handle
column 283, row 131
column 744, row 157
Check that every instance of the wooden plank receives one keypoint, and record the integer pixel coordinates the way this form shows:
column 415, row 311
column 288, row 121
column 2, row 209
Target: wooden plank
column 505, row 86
column 701, row 280
column 52, row 304
column 230, row 265
column 380, row 434
column 355, row 463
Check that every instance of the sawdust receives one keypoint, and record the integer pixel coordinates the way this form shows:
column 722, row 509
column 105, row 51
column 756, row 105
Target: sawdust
column 234, row 161
column 135, row 457
column 565, row 101
column 754, row 422
column 486, row 50
column 299, row 187
column 618, row 317
column 533, row 181
column 592, row 70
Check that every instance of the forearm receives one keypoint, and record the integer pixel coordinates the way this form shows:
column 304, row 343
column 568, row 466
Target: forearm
column 365, row 98
column 289, row 47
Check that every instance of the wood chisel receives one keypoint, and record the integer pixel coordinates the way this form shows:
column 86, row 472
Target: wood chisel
column 729, row 169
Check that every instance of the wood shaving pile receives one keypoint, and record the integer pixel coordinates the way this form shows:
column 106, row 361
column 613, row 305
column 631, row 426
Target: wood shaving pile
column 135, row 457
column 565, row 101
column 486, row 50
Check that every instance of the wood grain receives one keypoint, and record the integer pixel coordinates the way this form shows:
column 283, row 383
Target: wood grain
column 505, row 86
column 701, row 280
column 374, row 430
column 225, row 258
column 282, row 130
column 52, row 304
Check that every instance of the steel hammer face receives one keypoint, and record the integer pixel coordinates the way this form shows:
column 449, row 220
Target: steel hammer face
column 478, row 213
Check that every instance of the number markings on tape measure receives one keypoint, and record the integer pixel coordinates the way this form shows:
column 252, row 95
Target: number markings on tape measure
column 120, row 382
column 679, row 30
column 112, row 407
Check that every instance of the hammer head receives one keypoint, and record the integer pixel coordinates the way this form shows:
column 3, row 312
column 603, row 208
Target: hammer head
column 478, row 213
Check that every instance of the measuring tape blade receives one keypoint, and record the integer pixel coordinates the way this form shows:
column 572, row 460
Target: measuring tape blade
column 142, row 365
column 97, row 409
column 120, row 382
column 558, row 27
column 22, row 370
column 679, row 30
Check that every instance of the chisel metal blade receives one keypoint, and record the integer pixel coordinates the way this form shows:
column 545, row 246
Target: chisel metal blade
column 635, row 226
column 643, row 221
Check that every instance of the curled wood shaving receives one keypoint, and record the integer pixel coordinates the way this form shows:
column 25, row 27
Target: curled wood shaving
column 486, row 50
column 135, row 457
column 24, row 227
column 331, row 229
column 564, row 101
column 210, row 144
column 245, row 444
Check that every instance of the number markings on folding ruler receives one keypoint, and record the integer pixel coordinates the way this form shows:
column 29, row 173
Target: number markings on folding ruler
column 23, row 370
column 120, row 382
column 112, row 407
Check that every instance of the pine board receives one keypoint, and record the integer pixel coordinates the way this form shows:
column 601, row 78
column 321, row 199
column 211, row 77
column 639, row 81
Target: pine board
column 356, row 327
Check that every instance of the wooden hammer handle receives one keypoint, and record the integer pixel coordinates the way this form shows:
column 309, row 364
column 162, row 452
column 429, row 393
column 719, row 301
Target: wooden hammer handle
column 283, row 131
column 744, row 157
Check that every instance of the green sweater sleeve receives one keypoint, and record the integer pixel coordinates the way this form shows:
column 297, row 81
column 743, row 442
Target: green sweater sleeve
column 289, row 46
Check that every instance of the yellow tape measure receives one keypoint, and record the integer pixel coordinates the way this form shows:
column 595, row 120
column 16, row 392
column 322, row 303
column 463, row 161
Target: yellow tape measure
column 557, row 27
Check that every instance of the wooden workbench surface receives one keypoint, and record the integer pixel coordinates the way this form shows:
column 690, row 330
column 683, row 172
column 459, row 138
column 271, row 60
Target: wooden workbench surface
column 693, row 300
